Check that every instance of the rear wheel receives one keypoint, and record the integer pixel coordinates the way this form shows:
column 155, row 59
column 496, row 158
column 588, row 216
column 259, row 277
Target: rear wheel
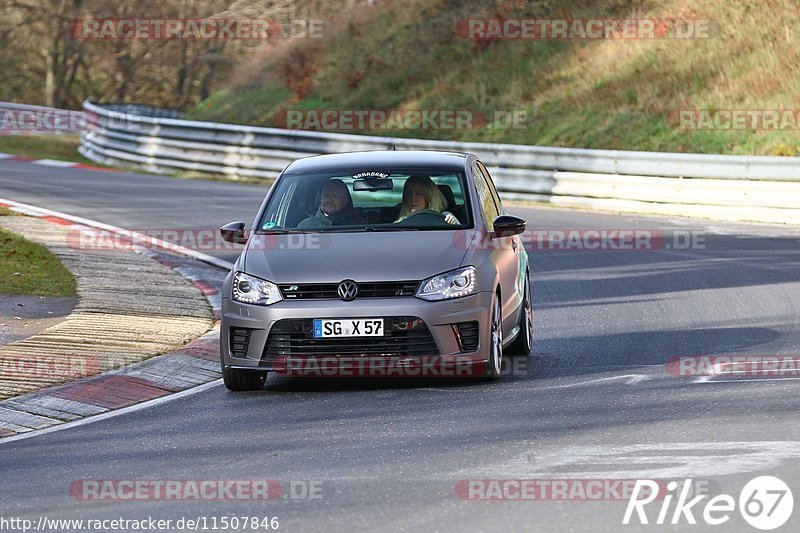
column 523, row 344
column 495, row 362
column 243, row 380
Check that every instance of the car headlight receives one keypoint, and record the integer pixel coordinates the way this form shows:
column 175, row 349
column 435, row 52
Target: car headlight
column 453, row 284
column 252, row 290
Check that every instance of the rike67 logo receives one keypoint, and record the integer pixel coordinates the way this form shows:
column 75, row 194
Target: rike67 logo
column 766, row 503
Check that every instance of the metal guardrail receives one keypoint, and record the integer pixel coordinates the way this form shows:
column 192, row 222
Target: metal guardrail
column 144, row 110
column 736, row 187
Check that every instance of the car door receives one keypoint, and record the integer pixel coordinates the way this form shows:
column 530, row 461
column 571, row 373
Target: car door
column 505, row 250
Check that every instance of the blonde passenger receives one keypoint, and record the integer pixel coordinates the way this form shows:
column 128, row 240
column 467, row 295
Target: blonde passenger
column 421, row 193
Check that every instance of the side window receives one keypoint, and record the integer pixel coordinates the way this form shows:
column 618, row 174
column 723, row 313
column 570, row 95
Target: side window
column 492, row 189
column 488, row 206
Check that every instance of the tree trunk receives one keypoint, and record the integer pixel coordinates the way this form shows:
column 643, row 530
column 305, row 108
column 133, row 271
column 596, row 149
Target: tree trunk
column 50, row 78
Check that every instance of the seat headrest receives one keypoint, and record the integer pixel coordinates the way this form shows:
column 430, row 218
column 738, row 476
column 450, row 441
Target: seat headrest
column 449, row 197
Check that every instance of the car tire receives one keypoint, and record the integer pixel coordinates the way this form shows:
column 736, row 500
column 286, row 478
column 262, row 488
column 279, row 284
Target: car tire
column 523, row 344
column 494, row 363
column 243, row 380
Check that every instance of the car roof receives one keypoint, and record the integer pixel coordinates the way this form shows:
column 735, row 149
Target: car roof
column 378, row 160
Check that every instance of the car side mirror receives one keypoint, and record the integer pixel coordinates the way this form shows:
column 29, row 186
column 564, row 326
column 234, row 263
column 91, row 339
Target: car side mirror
column 234, row 232
column 508, row 225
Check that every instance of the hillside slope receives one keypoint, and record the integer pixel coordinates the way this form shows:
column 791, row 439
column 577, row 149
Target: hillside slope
column 607, row 93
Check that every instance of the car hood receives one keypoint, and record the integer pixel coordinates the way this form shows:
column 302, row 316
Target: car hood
column 370, row 256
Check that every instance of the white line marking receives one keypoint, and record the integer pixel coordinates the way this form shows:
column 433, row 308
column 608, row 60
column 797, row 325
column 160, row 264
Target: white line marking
column 6, row 156
column 737, row 380
column 631, row 379
column 112, row 414
column 40, row 211
column 24, row 211
column 54, row 163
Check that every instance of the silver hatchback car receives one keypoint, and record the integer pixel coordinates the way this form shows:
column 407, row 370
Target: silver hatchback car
column 388, row 263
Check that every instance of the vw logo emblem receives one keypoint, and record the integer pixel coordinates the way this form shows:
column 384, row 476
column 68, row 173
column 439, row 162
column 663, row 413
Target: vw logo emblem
column 348, row 290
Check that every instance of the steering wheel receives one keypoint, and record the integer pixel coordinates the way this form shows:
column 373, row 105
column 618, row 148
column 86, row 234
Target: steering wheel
column 424, row 217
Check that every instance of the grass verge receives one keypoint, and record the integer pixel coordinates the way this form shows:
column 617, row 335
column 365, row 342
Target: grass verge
column 30, row 268
column 59, row 147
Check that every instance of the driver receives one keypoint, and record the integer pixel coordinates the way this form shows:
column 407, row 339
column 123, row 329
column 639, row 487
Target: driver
column 335, row 208
column 420, row 193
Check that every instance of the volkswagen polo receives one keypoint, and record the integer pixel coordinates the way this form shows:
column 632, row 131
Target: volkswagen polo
column 402, row 257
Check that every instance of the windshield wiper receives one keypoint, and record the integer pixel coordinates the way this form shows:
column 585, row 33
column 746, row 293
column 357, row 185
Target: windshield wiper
column 363, row 229
column 285, row 231
column 370, row 228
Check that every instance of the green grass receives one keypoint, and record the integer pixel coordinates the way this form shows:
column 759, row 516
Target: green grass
column 59, row 147
column 6, row 212
column 29, row 268
column 591, row 94
column 253, row 107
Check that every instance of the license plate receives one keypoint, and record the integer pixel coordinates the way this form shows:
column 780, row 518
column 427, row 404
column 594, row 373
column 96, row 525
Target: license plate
column 360, row 327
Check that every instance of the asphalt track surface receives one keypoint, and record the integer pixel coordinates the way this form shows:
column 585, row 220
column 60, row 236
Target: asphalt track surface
column 594, row 401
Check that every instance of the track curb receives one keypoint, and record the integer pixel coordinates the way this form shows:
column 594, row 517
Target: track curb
column 180, row 369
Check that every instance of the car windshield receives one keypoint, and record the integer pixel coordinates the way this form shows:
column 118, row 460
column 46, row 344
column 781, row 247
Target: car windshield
column 368, row 200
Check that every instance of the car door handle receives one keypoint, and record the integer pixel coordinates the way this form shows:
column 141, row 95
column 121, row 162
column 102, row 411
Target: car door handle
column 514, row 244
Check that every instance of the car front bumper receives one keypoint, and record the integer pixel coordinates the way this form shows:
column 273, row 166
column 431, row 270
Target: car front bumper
column 439, row 317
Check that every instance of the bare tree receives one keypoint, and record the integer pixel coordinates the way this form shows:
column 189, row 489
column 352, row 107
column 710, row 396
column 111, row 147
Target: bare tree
column 44, row 61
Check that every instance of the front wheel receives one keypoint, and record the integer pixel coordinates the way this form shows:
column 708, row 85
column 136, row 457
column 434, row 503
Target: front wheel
column 243, row 380
column 495, row 362
column 523, row 344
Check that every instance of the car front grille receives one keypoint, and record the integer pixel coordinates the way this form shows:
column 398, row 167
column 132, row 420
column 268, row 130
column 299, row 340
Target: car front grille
column 404, row 336
column 388, row 289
